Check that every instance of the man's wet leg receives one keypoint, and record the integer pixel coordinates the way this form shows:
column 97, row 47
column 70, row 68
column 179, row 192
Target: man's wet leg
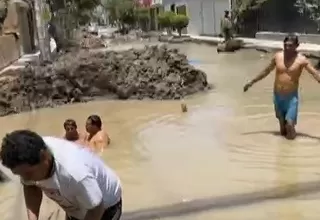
column 283, row 130
column 291, row 118
column 290, row 130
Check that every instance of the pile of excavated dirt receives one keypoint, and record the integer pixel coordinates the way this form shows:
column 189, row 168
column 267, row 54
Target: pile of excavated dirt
column 91, row 41
column 154, row 72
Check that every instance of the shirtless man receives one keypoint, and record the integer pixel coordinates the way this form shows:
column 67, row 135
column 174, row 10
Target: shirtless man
column 226, row 26
column 71, row 132
column 96, row 138
column 288, row 65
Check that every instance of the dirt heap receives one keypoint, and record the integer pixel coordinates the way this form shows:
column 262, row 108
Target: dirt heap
column 91, row 41
column 155, row 72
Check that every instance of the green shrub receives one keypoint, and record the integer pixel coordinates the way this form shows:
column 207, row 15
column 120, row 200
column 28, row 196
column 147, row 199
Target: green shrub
column 165, row 19
column 143, row 18
column 179, row 22
column 143, row 14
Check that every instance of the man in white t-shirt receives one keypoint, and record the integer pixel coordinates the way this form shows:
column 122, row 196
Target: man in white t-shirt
column 76, row 179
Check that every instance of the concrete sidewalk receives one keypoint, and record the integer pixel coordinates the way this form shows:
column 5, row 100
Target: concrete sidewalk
column 27, row 58
column 262, row 44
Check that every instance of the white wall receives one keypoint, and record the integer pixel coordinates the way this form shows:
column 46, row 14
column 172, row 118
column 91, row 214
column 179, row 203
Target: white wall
column 195, row 16
column 213, row 11
column 219, row 8
column 204, row 15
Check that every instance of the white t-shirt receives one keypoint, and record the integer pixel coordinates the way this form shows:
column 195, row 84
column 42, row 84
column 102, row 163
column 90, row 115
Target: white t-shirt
column 81, row 179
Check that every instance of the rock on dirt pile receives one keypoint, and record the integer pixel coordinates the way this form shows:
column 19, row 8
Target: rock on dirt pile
column 90, row 41
column 155, row 72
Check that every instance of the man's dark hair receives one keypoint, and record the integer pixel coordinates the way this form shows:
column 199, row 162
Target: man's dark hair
column 95, row 120
column 70, row 122
column 292, row 38
column 21, row 147
column 226, row 13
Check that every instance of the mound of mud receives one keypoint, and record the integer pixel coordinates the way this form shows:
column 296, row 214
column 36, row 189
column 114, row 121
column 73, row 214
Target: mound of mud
column 91, row 41
column 154, row 72
column 231, row 46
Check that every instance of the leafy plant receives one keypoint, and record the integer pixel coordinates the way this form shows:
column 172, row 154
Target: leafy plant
column 242, row 7
column 3, row 11
column 143, row 17
column 311, row 8
column 179, row 22
column 121, row 12
column 165, row 19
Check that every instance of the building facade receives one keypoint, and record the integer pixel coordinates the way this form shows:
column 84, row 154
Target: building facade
column 204, row 15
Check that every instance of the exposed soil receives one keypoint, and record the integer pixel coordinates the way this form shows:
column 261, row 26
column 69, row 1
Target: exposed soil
column 91, row 41
column 155, row 72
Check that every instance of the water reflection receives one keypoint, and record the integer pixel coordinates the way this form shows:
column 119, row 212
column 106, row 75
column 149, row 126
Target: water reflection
column 224, row 148
column 231, row 201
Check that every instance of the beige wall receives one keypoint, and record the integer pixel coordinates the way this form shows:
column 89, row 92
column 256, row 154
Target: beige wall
column 17, row 22
column 24, row 31
column 9, row 50
column 11, row 23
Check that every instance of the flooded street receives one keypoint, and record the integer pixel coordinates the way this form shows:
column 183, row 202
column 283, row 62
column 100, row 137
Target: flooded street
column 226, row 145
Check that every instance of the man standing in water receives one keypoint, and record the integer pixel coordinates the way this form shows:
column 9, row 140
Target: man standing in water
column 97, row 139
column 288, row 64
column 226, row 26
column 76, row 179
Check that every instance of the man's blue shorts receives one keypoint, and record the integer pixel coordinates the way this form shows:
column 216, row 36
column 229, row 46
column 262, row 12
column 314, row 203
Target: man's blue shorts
column 286, row 106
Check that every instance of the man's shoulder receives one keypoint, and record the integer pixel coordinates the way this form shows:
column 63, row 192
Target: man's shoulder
column 278, row 54
column 102, row 134
column 53, row 140
column 69, row 158
column 302, row 57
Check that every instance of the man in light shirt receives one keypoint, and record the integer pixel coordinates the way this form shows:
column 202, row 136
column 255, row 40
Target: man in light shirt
column 76, row 179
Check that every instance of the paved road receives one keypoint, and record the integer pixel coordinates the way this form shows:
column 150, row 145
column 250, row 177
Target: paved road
column 263, row 44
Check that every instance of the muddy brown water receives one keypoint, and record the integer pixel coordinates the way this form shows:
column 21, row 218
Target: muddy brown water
column 225, row 147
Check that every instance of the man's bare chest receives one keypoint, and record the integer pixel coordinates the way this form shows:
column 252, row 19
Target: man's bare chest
column 290, row 68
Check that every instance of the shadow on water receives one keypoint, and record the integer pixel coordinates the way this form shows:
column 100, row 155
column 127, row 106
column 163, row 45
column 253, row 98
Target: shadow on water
column 277, row 133
column 224, row 202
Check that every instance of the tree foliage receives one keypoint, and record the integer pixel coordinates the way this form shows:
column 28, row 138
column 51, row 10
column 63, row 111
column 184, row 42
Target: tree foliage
column 79, row 11
column 121, row 12
column 165, row 19
column 243, row 6
column 170, row 20
column 244, row 15
column 311, row 8
column 179, row 22
column 3, row 10
column 143, row 17
column 143, row 14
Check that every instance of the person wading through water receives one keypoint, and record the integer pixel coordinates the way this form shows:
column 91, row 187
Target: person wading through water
column 226, row 26
column 71, row 132
column 288, row 64
column 97, row 139
column 75, row 178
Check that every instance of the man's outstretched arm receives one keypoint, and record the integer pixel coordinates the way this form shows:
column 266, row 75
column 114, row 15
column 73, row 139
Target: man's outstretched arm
column 310, row 69
column 262, row 75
